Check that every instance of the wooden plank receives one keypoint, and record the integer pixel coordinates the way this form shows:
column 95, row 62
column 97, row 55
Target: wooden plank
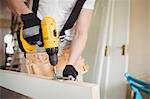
column 38, row 88
column 5, row 23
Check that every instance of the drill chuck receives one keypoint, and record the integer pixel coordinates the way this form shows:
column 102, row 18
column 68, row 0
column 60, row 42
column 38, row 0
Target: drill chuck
column 52, row 53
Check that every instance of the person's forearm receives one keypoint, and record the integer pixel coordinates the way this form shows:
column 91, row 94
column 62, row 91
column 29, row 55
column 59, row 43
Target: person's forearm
column 81, row 34
column 18, row 7
column 77, row 47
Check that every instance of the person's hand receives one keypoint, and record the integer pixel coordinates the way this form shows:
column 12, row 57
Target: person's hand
column 70, row 71
column 31, row 28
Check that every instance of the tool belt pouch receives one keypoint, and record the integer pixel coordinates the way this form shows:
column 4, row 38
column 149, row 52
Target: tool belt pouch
column 38, row 64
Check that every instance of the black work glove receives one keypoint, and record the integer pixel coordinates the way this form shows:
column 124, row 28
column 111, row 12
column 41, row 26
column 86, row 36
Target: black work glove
column 70, row 72
column 32, row 28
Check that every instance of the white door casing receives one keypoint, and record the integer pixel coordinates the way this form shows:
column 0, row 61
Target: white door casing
column 102, row 40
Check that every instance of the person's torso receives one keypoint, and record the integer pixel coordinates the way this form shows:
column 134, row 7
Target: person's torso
column 60, row 10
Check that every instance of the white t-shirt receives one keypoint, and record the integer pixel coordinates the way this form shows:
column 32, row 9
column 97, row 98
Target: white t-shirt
column 60, row 10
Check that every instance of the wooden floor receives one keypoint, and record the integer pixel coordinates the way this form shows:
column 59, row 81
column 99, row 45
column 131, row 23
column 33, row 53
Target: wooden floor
column 8, row 94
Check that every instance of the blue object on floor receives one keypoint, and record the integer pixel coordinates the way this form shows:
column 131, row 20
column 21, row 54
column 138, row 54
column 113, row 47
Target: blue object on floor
column 138, row 86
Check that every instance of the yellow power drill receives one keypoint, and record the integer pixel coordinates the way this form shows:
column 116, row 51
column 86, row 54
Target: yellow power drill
column 49, row 39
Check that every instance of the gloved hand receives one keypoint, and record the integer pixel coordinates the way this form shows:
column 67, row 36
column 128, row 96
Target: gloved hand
column 70, row 71
column 31, row 28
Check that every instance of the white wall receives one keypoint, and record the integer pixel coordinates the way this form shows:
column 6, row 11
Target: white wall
column 149, row 36
column 4, row 14
column 139, row 34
